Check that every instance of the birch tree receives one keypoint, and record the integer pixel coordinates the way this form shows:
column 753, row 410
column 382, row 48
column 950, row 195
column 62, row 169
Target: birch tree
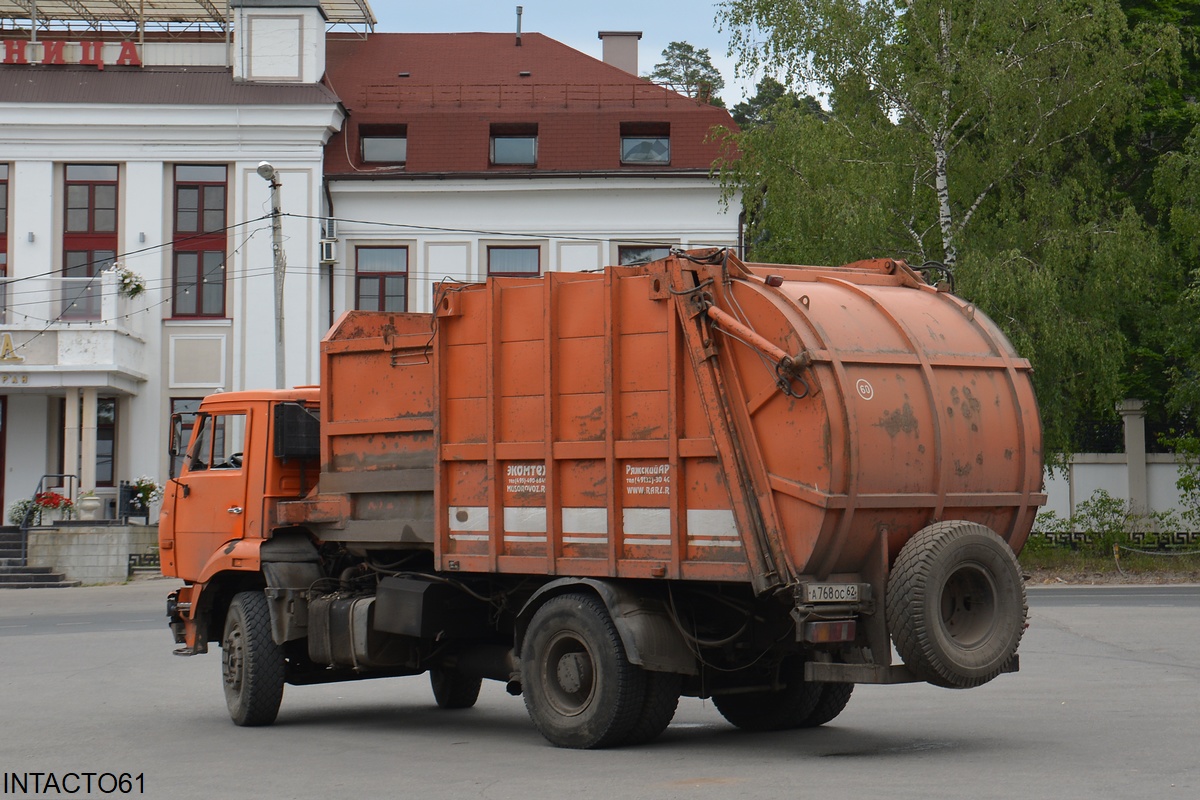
column 979, row 134
column 980, row 93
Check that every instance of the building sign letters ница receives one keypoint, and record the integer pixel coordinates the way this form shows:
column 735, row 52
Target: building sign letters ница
column 22, row 51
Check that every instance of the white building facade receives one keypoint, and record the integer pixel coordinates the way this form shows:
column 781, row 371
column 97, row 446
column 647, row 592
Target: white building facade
column 128, row 149
column 141, row 149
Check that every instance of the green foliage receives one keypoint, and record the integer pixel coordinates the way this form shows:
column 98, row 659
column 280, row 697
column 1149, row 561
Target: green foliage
column 689, row 71
column 983, row 135
column 1175, row 193
column 770, row 98
column 1187, row 449
column 1104, row 521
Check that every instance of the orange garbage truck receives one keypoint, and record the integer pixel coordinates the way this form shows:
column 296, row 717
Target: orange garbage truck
column 697, row 477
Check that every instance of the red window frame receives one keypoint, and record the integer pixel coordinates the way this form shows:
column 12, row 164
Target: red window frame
column 3, row 242
column 200, row 239
column 380, row 280
column 90, row 243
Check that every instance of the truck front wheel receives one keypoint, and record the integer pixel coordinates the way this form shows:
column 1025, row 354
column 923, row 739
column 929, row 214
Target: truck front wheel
column 580, row 689
column 252, row 665
column 956, row 604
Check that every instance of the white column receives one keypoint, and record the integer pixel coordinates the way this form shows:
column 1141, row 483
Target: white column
column 87, row 455
column 71, row 433
column 1133, row 414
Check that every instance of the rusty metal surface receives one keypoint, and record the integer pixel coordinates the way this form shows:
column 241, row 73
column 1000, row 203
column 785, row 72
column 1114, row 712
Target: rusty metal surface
column 587, row 425
column 679, row 420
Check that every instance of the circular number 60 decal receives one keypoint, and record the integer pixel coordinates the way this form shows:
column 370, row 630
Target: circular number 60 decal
column 865, row 390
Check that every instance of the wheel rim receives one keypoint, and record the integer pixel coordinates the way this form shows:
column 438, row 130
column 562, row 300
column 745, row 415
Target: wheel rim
column 232, row 659
column 968, row 606
column 569, row 675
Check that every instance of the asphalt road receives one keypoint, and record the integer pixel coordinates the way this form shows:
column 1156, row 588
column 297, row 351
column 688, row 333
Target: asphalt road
column 1107, row 705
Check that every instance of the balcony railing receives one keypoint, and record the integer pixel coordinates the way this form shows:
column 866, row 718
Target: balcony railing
column 50, row 301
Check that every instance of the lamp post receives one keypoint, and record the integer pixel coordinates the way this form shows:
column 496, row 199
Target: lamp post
column 268, row 174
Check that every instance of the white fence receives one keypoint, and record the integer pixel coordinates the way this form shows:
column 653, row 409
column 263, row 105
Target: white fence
column 1146, row 482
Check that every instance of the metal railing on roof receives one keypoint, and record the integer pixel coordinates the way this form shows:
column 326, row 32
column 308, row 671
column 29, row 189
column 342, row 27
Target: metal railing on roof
column 126, row 15
column 614, row 95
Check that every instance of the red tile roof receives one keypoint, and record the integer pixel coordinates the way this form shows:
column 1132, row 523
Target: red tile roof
column 447, row 89
column 150, row 85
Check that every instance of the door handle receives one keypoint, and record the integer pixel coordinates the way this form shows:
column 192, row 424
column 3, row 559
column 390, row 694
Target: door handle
column 235, row 509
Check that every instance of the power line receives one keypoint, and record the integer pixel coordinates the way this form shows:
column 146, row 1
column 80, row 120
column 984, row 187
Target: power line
column 345, row 271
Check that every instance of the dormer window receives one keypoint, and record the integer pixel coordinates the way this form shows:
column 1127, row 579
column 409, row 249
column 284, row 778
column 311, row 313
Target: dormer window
column 514, row 144
column 384, row 144
column 645, row 143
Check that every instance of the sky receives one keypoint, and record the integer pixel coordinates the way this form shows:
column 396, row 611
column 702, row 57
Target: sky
column 576, row 24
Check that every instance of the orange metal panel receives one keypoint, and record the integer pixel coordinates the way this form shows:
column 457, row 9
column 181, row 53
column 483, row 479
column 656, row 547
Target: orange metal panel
column 640, row 421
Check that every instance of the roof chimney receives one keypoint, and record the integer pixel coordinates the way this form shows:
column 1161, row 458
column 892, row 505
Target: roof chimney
column 621, row 49
column 519, row 10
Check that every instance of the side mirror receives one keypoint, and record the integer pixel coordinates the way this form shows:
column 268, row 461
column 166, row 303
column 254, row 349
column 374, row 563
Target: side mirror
column 175, row 445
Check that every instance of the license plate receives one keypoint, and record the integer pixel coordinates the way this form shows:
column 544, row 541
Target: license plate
column 831, row 593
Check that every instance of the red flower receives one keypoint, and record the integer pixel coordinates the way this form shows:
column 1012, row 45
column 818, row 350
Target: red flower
column 51, row 500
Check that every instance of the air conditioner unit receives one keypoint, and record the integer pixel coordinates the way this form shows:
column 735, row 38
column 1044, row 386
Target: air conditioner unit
column 328, row 251
column 330, row 228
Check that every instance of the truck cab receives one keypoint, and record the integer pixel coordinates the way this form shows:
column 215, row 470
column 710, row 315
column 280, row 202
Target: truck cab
column 246, row 452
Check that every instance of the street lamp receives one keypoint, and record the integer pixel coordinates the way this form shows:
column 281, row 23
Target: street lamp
column 271, row 176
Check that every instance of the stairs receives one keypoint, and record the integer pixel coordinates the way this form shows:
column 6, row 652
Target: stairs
column 16, row 574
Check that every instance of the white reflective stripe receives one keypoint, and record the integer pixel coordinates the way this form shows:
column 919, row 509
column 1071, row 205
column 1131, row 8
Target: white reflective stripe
column 646, row 521
column 469, row 537
column 694, row 542
column 585, row 540
column 718, row 523
column 524, row 519
column 585, row 520
column 469, row 518
column 644, row 540
column 524, row 538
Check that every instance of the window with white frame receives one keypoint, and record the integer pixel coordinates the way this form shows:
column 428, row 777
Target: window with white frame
column 645, row 143
column 641, row 254
column 514, row 144
column 383, row 144
column 506, row 260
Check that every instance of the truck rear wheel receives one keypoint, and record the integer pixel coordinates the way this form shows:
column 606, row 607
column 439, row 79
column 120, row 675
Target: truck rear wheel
column 658, row 707
column 774, row 710
column 452, row 689
column 832, row 701
column 956, row 604
column 580, row 689
column 252, row 665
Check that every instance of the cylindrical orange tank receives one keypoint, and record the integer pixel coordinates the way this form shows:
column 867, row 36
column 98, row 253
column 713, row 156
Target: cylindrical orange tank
column 698, row 418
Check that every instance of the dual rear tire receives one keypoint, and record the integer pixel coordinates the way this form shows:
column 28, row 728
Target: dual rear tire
column 580, row 689
column 798, row 704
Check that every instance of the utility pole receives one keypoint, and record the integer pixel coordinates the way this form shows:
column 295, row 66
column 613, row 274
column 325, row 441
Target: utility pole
column 271, row 176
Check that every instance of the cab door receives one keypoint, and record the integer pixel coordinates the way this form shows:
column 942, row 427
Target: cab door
column 208, row 501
